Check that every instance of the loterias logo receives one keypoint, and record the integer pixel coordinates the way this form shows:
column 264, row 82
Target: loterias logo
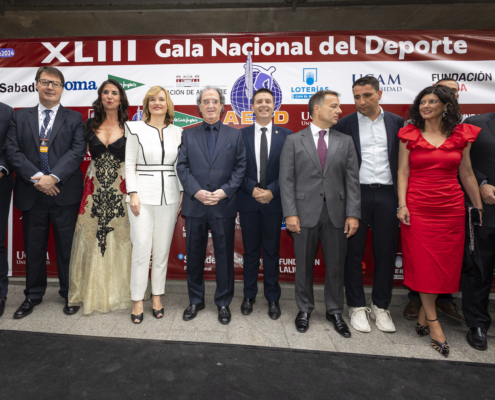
column 126, row 83
column 182, row 120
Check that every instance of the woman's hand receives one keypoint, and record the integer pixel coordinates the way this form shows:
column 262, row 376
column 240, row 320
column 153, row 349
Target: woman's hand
column 135, row 204
column 180, row 203
column 404, row 216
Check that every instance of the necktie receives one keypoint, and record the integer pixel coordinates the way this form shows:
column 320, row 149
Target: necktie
column 263, row 158
column 322, row 149
column 45, row 168
column 211, row 141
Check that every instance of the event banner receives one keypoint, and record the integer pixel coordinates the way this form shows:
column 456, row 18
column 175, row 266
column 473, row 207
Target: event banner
column 293, row 65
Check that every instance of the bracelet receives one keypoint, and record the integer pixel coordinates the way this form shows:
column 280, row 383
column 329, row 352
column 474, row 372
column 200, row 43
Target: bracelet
column 403, row 205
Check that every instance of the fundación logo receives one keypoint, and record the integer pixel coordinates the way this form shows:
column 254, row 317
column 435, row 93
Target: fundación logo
column 310, row 77
column 127, row 84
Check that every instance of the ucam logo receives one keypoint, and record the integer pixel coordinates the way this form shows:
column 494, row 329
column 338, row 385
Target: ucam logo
column 388, row 82
column 310, row 77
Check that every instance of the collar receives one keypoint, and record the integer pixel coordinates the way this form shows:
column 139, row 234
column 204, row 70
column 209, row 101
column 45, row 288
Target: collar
column 364, row 118
column 216, row 125
column 54, row 108
column 257, row 127
column 315, row 131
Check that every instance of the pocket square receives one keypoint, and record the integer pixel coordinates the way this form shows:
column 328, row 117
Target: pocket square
column 229, row 145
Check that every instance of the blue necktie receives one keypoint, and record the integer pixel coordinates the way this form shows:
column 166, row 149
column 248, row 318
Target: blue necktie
column 44, row 156
column 211, row 141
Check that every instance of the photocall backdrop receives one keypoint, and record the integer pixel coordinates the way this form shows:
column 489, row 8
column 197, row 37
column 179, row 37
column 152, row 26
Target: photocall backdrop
column 292, row 65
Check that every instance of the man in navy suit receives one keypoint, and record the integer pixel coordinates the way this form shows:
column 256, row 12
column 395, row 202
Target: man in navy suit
column 45, row 147
column 258, row 201
column 211, row 167
column 6, row 185
column 374, row 132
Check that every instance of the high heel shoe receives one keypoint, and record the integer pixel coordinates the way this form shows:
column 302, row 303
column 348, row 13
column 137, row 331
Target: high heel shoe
column 442, row 348
column 156, row 313
column 135, row 317
column 422, row 330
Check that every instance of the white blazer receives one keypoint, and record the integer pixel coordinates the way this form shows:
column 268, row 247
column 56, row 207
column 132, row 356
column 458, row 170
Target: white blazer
column 150, row 164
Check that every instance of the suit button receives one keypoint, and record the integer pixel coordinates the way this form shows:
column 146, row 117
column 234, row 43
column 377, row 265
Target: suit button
column 211, row 169
column 321, row 194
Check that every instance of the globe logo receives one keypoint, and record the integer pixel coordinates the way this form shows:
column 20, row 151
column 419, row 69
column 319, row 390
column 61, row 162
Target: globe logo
column 256, row 78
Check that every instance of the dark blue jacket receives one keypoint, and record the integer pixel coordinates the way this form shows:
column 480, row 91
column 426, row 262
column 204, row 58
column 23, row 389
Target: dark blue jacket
column 6, row 114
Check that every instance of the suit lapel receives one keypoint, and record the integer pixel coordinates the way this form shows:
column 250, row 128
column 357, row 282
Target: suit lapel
column 222, row 138
column 57, row 124
column 201, row 139
column 274, row 142
column 491, row 125
column 33, row 120
column 355, row 135
column 390, row 133
column 309, row 143
column 333, row 144
column 251, row 146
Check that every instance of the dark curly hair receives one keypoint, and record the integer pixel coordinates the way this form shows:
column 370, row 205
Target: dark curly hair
column 450, row 119
column 100, row 114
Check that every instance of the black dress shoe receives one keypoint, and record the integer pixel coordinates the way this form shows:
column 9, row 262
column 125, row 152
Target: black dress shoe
column 26, row 308
column 224, row 315
column 70, row 310
column 302, row 321
column 476, row 338
column 3, row 300
column 274, row 310
column 192, row 310
column 339, row 324
column 247, row 306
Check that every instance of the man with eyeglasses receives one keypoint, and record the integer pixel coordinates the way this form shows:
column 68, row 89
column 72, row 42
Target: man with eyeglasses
column 45, row 147
column 211, row 167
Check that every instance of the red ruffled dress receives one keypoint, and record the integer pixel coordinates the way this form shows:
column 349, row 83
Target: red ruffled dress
column 433, row 244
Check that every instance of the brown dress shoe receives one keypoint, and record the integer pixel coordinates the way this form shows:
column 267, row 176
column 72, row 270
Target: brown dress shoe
column 412, row 309
column 450, row 310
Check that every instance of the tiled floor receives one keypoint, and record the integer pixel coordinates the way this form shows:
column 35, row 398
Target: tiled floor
column 256, row 329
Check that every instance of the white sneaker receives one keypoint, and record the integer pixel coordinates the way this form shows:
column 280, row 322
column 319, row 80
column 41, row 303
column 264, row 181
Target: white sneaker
column 360, row 319
column 383, row 319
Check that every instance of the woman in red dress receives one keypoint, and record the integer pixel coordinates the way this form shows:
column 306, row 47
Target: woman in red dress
column 434, row 151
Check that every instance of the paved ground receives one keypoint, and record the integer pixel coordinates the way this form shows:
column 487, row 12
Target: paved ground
column 256, row 329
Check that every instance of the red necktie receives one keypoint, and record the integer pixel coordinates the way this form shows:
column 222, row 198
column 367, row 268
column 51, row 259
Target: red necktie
column 322, row 149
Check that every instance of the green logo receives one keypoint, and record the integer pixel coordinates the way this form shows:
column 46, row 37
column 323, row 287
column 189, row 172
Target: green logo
column 183, row 120
column 126, row 83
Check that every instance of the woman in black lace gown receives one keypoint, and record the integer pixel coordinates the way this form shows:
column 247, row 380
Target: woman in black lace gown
column 100, row 265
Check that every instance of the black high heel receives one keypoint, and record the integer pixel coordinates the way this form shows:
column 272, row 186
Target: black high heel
column 139, row 317
column 442, row 348
column 156, row 313
column 422, row 330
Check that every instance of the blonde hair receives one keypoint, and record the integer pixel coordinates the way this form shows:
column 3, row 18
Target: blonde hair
column 169, row 116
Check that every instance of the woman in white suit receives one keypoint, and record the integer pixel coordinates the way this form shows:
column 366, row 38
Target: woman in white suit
column 154, row 195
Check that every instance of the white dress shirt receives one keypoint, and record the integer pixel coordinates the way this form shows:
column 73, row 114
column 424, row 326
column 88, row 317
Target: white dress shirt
column 257, row 142
column 375, row 167
column 41, row 115
column 316, row 134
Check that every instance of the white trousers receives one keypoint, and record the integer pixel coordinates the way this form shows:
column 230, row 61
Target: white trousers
column 152, row 228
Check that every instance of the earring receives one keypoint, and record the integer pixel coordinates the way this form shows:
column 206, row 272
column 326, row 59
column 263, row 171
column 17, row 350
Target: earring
column 445, row 114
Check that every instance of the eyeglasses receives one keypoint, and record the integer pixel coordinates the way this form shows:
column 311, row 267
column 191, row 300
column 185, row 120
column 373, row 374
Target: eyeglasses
column 46, row 82
column 214, row 101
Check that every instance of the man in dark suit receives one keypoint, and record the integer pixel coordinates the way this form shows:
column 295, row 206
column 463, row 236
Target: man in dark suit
column 319, row 186
column 374, row 133
column 259, row 205
column 474, row 293
column 45, row 147
column 6, row 185
column 211, row 167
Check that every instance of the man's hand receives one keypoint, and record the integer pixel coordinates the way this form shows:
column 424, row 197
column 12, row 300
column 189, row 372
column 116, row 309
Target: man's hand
column 1, row 174
column 46, row 184
column 218, row 195
column 487, row 193
column 261, row 195
column 180, row 203
column 351, row 226
column 206, row 197
column 292, row 224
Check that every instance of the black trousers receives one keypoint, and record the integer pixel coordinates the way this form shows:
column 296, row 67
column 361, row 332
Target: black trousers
column 36, row 228
column 378, row 211
column 475, row 296
column 4, row 220
column 223, row 233
column 261, row 233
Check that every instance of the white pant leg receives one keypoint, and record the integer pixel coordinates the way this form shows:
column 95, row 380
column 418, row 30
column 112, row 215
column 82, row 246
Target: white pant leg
column 141, row 238
column 165, row 220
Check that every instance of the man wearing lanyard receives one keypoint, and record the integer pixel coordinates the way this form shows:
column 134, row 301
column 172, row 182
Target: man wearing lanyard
column 45, row 147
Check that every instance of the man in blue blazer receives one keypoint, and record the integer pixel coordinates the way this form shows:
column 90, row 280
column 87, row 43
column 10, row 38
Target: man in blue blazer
column 374, row 133
column 258, row 201
column 211, row 167
column 45, row 147
column 6, row 185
